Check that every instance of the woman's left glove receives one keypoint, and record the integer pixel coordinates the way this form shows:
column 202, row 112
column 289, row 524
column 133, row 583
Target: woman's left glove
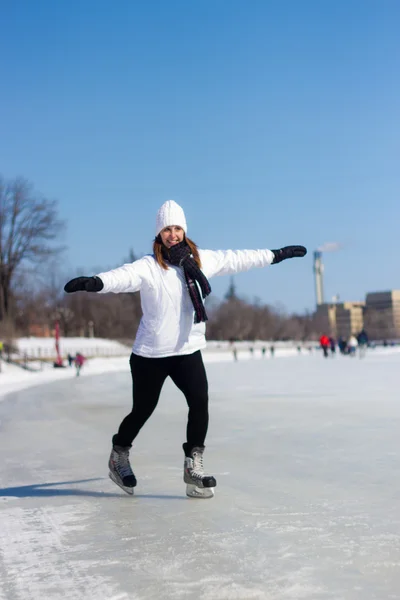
column 288, row 252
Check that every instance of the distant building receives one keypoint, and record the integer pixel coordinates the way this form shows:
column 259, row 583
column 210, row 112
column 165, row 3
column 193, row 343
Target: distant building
column 39, row 330
column 382, row 315
column 349, row 318
column 340, row 319
column 325, row 319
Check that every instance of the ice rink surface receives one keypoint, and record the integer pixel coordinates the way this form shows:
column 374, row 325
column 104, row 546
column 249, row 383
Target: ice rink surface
column 306, row 452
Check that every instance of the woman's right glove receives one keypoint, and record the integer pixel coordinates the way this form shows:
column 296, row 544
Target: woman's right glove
column 84, row 284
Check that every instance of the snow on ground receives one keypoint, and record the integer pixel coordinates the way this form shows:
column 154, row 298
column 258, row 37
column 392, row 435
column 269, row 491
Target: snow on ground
column 13, row 378
column 306, row 452
column 45, row 347
column 111, row 356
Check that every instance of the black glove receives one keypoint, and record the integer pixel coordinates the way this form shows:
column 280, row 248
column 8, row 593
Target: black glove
column 84, row 284
column 288, row 252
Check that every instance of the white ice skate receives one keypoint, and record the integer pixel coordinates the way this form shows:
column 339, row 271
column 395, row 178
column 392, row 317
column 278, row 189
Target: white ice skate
column 198, row 484
column 120, row 469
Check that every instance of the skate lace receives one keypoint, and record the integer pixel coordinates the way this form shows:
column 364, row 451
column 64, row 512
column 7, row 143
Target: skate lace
column 198, row 467
column 123, row 465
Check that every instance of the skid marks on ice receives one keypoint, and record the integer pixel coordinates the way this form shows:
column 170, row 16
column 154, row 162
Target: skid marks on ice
column 217, row 564
column 40, row 560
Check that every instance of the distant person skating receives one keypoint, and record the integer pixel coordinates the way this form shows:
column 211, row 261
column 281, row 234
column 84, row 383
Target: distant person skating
column 234, row 349
column 324, row 343
column 362, row 340
column 173, row 283
column 352, row 345
column 79, row 362
column 342, row 345
column 70, row 359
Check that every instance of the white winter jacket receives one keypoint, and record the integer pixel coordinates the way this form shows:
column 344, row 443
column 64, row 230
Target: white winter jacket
column 167, row 326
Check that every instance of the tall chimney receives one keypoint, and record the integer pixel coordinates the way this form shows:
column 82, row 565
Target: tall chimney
column 318, row 272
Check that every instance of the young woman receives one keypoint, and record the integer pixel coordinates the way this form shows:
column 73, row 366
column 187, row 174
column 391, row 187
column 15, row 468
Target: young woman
column 173, row 282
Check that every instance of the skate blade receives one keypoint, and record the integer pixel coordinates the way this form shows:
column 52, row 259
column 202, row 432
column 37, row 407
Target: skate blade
column 192, row 491
column 128, row 490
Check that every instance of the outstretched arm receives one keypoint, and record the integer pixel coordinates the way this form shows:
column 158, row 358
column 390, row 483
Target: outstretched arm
column 229, row 262
column 122, row 279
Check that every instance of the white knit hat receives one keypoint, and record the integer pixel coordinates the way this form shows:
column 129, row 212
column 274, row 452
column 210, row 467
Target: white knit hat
column 170, row 213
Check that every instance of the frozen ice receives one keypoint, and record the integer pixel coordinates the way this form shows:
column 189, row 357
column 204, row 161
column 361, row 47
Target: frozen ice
column 306, row 452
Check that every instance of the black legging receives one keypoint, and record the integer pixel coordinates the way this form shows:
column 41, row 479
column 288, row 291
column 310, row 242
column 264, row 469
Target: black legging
column 148, row 375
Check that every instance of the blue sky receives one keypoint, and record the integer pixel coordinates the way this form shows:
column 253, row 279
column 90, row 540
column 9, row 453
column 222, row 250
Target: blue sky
column 271, row 123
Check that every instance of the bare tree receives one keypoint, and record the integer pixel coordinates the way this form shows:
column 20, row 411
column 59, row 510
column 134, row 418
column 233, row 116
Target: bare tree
column 28, row 225
column 231, row 293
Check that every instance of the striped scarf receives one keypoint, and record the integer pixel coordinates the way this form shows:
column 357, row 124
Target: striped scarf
column 180, row 256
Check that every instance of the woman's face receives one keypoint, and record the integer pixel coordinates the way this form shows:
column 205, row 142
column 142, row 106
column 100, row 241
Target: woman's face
column 172, row 235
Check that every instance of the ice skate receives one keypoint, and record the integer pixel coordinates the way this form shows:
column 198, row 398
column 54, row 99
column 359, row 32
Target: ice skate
column 120, row 469
column 198, row 484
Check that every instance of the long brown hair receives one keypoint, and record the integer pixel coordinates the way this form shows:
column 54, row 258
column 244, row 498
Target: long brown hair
column 157, row 249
